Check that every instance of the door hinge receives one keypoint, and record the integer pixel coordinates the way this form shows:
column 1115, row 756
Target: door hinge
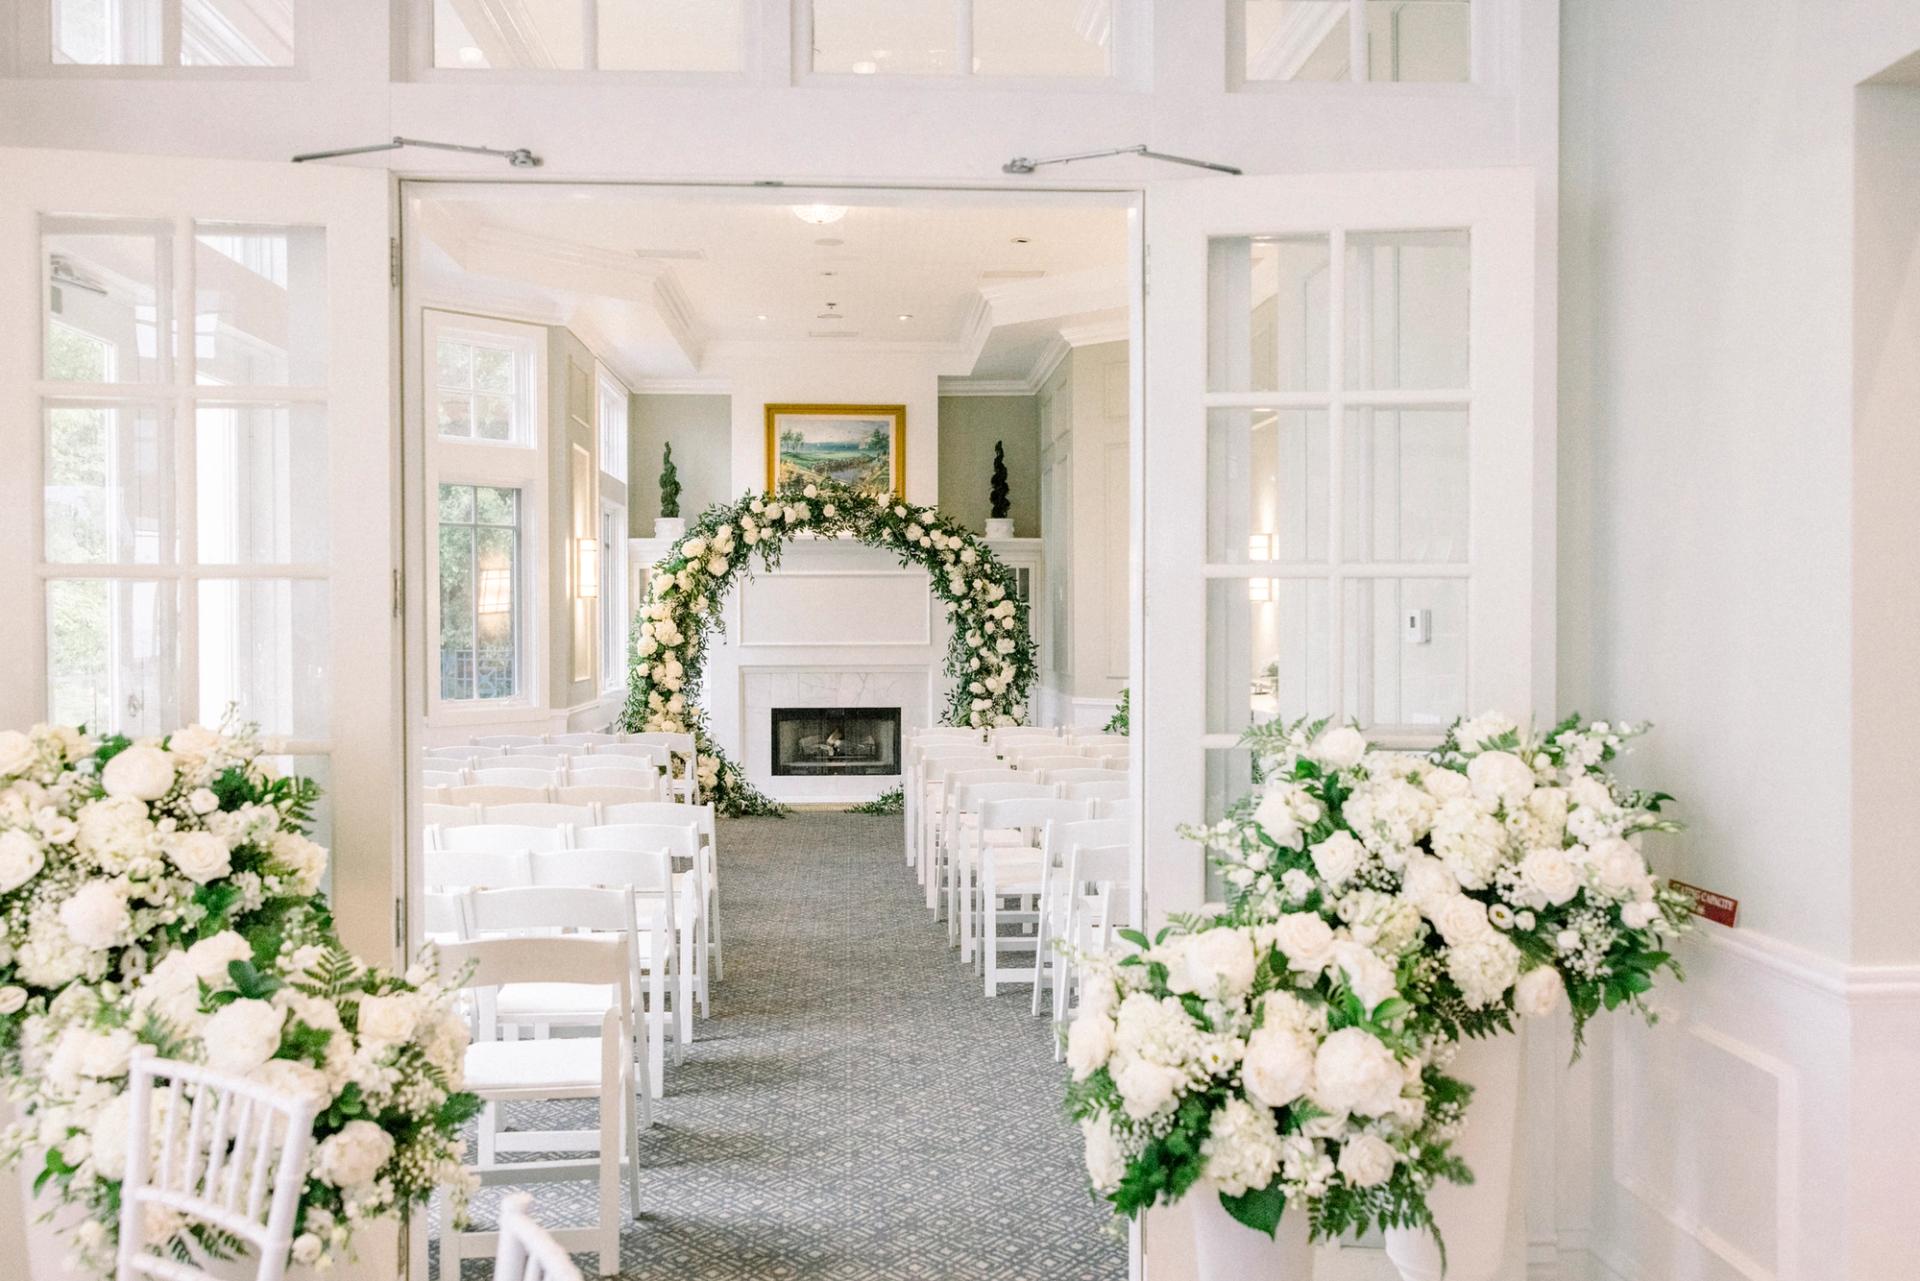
column 399, row 594
column 393, row 261
column 399, row 924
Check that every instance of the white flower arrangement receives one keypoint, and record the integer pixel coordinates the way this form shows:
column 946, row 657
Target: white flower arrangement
column 163, row 894
column 990, row 659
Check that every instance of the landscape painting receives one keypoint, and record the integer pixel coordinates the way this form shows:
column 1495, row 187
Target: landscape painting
column 861, row 446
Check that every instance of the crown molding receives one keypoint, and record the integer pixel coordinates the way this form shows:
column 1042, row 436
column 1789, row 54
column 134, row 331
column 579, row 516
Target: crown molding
column 985, row 387
column 680, row 386
column 1072, row 293
column 1110, row 329
column 1050, row 358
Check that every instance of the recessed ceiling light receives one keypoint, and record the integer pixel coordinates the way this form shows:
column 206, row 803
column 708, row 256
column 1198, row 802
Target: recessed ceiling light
column 905, row 315
column 829, row 273
column 1022, row 240
column 761, row 318
column 865, row 67
column 819, row 215
column 472, row 55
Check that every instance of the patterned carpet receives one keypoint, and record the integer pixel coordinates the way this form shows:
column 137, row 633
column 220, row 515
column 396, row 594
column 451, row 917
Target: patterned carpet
column 855, row 1109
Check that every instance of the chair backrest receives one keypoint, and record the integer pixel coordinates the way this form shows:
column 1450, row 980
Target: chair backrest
column 940, row 769
column 526, row 1252
column 517, row 776
column 496, row 837
column 969, row 797
column 1024, row 733
column 676, row 813
column 1050, row 761
column 583, row 739
column 493, row 794
column 596, row 794
column 1101, row 864
column 460, row 754
column 506, row 740
column 442, row 777
column 645, row 870
column 682, row 840
column 952, row 780
column 1064, row 838
column 571, row 959
column 678, row 742
column 1122, row 809
column 535, row 754
column 548, row 909
column 1030, row 812
column 446, row 916
column 658, row 753
column 941, row 751
column 232, row 1156
column 635, row 774
column 1115, row 789
column 1096, row 737
column 450, row 869
column 434, row 814
column 540, row 814
column 1087, row 771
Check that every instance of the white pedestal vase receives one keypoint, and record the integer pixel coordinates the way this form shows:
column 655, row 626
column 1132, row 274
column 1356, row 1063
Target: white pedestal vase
column 1225, row 1249
column 668, row 529
column 1472, row 1218
column 999, row 527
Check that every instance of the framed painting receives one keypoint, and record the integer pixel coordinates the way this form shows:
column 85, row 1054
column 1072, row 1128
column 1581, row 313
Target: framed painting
column 861, row 446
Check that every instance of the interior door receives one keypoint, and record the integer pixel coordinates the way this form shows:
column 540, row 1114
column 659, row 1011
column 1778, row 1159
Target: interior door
column 195, row 385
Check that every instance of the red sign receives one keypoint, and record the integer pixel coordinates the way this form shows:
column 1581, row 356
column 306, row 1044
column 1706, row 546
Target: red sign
column 1717, row 908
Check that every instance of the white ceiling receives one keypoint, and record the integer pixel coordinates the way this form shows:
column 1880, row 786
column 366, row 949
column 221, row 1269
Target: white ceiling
column 988, row 283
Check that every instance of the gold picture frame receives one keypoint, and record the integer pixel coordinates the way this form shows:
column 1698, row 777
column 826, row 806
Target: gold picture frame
column 840, row 443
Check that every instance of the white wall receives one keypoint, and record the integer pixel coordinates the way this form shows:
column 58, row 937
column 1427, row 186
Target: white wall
column 1711, row 550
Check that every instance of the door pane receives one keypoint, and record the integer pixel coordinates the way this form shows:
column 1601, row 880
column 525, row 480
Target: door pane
column 1267, row 481
column 1406, row 485
column 1406, row 650
column 255, row 466
column 236, row 33
column 541, row 37
column 1297, row 39
column 1407, row 300
column 1271, row 325
column 108, row 484
column 1267, row 651
column 106, row 32
column 105, row 300
column 862, row 38
column 260, row 306
column 111, row 654
column 1065, row 38
column 669, row 35
column 263, row 650
column 1419, row 40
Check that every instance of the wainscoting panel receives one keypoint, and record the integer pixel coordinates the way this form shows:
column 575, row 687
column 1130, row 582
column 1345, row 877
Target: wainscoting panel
column 834, row 608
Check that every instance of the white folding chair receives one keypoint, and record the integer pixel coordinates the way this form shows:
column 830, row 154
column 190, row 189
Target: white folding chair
column 682, row 840
column 582, row 739
column 442, row 777
column 939, row 777
column 543, row 757
column 1058, row 844
column 1098, row 878
column 648, row 875
column 913, row 785
column 434, row 814
column 540, row 814
column 1008, row 735
column 599, row 794
column 607, row 771
column 458, row 870
column 456, row 757
column 1097, row 738
column 1117, row 789
column 527, row 1251
column 501, row 838
column 595, row 1067
column 484, row 794
column 506, row 740
column 1053, row 760
column 1124, row 809
column 657, row 753
column 679, row 813
column 232, row 1157
column 446, row 916
column 518, row 776
column 960, row 840
column 1010, row 871
column 683, row 749
column 1084, row 773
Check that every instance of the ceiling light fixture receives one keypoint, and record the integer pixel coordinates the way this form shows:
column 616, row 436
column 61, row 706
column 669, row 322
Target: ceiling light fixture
column 762, row 319
column 905, row 315
column 819, row 215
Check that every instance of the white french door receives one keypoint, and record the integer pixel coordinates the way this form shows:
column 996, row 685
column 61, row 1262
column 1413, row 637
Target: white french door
column 199, row 496
column 1337, row 474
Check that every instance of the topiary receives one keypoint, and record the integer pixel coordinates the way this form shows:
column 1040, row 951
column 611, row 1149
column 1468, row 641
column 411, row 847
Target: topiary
column 669, row 485
column 999, row 495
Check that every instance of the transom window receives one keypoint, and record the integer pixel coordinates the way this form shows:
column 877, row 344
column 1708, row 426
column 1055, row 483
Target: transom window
column 1366, row 41
column 482, row 389
column 480, row 596
column 1032, row 38
column 171, row 33
column 613, row 426
column 588, row 35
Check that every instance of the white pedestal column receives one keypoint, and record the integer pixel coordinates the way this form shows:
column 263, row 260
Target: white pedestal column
column 1225, row 1249
column 1473, row 1219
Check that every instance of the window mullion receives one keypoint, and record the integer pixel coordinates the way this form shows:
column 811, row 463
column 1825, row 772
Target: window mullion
column 1336, row 471
column 170, row 24
column 183, row 333
column 590, row 35
column 1357, row 68
column 963, row 37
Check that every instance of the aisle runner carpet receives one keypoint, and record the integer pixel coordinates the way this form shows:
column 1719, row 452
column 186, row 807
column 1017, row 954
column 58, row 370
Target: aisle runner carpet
column 855, row 1109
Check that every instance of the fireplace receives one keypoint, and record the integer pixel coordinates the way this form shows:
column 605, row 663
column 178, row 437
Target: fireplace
column 836, row 741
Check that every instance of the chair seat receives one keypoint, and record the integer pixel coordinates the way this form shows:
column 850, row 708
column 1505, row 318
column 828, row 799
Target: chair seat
column 552, row 1000
column 557, row 1063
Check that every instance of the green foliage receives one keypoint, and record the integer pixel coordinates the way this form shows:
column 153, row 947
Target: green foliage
column 1121, row 722
column 999, row 494
column 1258, row 1208
column 669, row 483
column 892, row 801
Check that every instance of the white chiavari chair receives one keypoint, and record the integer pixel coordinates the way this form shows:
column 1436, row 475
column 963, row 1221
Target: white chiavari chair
column 1013, row 871
column 527, row 1251
column 1059, row 842
column 231, row 1157
column 595, row 1067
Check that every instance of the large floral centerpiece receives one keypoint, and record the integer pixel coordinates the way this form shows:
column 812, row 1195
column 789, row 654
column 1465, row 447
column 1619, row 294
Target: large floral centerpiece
column 1392, row 903
column 990, row 656
column 163, row 894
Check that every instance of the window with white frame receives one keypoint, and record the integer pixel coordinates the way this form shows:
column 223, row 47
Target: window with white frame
column 171, row 33
column 613, row 596
column 480, row 592
column 1037, row 39
column 1365, row 41
column 483, row 387
column 588, row 35
column 613, row 426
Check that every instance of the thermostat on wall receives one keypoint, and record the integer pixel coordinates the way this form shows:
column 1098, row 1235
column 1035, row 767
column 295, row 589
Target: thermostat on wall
column 1418, row 626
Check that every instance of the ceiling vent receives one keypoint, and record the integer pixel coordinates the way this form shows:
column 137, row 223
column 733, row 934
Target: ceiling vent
column 833, row 333
column 994, row 277
column 677, row 255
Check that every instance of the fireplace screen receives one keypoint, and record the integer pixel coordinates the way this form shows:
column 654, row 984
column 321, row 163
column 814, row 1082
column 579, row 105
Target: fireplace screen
column 836, row 740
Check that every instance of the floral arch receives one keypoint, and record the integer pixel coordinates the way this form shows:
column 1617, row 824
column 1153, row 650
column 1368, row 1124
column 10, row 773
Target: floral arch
column 990, row 658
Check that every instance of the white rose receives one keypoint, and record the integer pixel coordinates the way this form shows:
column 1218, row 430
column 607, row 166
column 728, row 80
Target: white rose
column 194, row 743
column 1274, row 816
column 716, row 564
column 96, row 915
column 201, row 800
column 1427, row 880
column 1618, row 867
column 1445, row 784
column 12, row 999
column 200, row 856
column 304, row 860
column 1338, row 857
column 1500, row 777
column 1635, row 916
column 1547, row 873
column 1278, row 1067
column 1460, row 919
column 209, row 958
column 811, row 491
column 388, row 1018
column 16, row 753
column 1215, row 964
column 306, row 1249
column 142, row 772
column 1367, row 976
column 109, row 1133
column 1366, row 1161
column 242, row 1035
column 694, row 548
column 1089, row 1044
column 1106, row 1161
column 1305, row 939
column 1146, row 1089
column 354, row 1156
column 298, row 1080
column 20, row 859
column 1339, row 748
column 1354, row 1072
column 1539, row 992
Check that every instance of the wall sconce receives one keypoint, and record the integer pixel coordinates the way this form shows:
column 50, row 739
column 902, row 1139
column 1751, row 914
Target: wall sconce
column 1260, row 548
column 586, row 570
column 495, row 592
